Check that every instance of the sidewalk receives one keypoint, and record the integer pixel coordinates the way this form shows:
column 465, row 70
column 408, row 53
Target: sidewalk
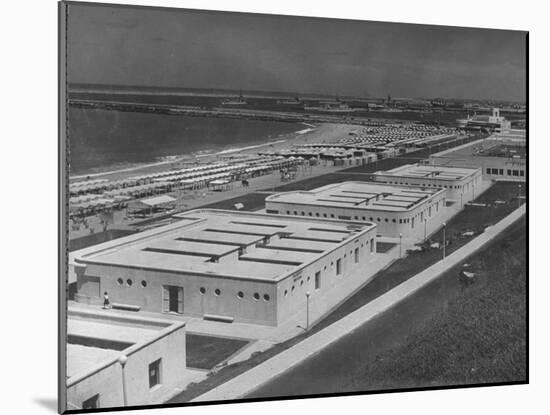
column 242, row 385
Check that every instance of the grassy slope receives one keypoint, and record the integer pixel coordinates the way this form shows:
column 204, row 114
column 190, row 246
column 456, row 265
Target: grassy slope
column 479, row 338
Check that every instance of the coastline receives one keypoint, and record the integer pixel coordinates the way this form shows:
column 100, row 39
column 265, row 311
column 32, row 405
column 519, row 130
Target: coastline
column 319, row 133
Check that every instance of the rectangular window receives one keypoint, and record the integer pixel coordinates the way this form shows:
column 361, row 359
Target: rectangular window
column 509, row 172
column 91, row 403
column 515, row 173
column 356, row 255
column 271, row 211
column 494, row 171
column 501, row 172
column 154, row 373
column 371, row 245
column 318, row 280
column 522, row 173
column 338, row 266
column 488, row 170
column 343, row 217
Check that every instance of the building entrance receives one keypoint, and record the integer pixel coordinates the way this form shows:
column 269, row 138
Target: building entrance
column 172, row 299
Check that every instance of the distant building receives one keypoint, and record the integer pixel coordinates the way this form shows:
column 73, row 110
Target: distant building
column 498, row 159
column 226, row 265
column 115, row 360
column 395, row 209
column 489, row 122
column 461, row 183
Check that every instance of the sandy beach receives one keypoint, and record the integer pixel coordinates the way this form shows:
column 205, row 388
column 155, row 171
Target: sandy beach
column 322, row 133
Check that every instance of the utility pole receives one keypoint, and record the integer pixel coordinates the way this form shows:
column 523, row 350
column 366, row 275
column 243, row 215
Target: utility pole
column 444, row 228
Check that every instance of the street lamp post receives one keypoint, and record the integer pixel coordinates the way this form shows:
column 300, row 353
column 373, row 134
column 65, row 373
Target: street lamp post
column 425, row 226
column 122, row 360
column 400, row 244
column 444, row 228
column 307, row 310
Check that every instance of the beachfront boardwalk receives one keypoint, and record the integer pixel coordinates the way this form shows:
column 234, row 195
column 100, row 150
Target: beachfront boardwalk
column 251, row 380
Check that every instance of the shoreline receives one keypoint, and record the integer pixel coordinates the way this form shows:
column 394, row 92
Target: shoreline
column 297, row 137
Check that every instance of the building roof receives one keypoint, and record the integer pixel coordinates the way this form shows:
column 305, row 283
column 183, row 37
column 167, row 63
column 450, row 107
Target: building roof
column 96, row 339
column 210, row 242
column 420, row 171
column 359, row 195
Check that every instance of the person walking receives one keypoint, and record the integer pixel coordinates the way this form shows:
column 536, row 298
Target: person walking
column 106, row 302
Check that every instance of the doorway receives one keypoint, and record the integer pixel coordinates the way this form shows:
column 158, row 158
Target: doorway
column 172, row 299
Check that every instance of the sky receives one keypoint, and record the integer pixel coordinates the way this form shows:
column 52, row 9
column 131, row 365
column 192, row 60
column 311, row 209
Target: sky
column 199, row 49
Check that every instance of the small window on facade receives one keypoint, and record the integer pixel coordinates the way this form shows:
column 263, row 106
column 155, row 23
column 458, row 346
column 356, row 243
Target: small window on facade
column 522, row 173
column 378, row 219
column 356, row 255
column 489, row 170
column 386, row 219
column 286, row 293
column 296, row 212
column 301, row 282
column 143, row 283
column 303, row 213
column 393, row 220
column 240, row 294
column 154, row 373
column 316, row 213
column 338, row 266
column 257, row 296
column 332, row 215
column 364, row 218
column 217, row 292
column 308, row 278
column 288, row 212
column 318, row 280
column 370, row 218
column 120, row 281
column 266, row 297
column 292, row 288
column 202, row 290
column 309, row 213
column 509, row 172
column 324, row 215
column 129, row 282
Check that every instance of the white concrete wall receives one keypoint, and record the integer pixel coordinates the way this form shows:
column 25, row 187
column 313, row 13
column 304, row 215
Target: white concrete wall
column 107, row 382
column 388, row 223
column 465, row 189
column 150, row 298
column 291, row 292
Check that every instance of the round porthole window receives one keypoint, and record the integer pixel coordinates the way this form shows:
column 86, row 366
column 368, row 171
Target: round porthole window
column 266, row 297
column 120, row 281
column 129, row 282
column 202, row 290
column 286, row 293
column 143, row 283
column 256, row 296
column 217, row 292
column 240, row 294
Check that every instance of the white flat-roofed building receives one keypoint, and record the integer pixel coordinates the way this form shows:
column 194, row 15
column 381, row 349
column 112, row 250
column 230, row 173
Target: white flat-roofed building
column 116, row 360
column 395, row 209
column 461, row 183
column 225, row 265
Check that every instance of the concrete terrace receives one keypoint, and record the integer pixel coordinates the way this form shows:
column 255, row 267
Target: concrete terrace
column 360, row 195
column 233, row 244
column 421, row 171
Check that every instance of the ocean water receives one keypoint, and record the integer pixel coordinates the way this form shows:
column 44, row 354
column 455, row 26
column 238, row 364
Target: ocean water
column 99, row 139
